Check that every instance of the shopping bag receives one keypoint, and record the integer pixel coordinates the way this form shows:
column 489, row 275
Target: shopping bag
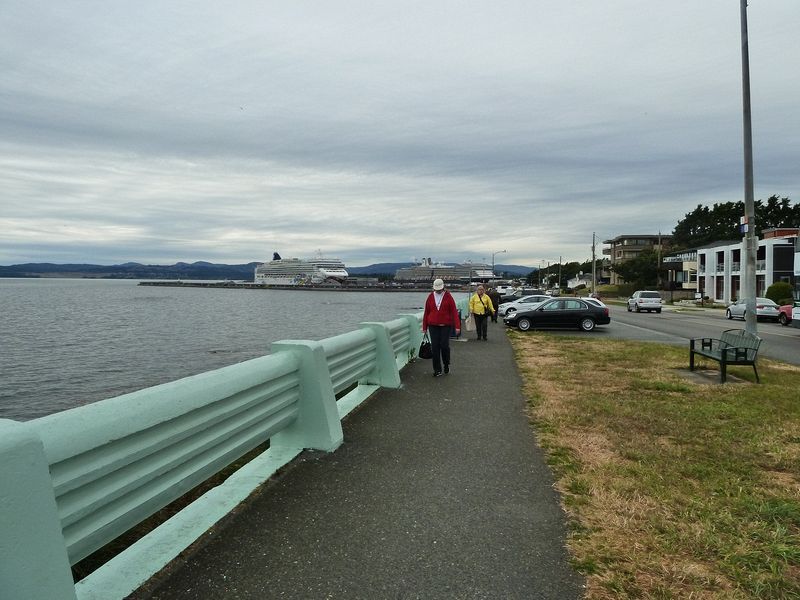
column 469, row 323
column 425, row 350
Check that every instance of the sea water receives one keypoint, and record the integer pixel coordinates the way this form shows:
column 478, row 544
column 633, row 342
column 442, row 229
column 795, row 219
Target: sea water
column 69, row 342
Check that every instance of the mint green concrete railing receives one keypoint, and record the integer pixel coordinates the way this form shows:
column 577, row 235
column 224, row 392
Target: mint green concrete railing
column 73, row 481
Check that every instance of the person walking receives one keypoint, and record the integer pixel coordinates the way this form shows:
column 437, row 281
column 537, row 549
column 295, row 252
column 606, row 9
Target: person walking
column 494, row 296
column 439, row 317
column 480, row 305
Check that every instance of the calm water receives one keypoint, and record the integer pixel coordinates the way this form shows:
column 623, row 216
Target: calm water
column 67, row 342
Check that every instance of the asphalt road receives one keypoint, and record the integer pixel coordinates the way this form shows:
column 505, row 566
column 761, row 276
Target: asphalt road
column 677, row 325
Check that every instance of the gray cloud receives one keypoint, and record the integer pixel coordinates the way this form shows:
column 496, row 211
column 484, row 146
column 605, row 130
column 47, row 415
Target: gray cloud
column 186, row 132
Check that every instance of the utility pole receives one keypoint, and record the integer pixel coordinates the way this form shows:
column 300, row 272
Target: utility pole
column 559, row 274
column 658, row 262
column 748, row 286
column 594, row 266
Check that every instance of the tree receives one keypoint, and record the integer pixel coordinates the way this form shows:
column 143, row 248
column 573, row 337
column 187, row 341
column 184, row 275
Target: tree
column 777, row 212
column 721, row 222
column 780, row 292
column 642, row 271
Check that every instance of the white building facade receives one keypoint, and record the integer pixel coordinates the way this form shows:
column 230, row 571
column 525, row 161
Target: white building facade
column 720, row 267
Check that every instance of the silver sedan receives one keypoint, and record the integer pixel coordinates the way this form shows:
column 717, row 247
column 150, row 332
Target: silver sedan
column 765, row 309
column 506, row 308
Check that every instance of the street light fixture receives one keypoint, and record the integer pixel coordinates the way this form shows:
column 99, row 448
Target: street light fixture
column 493, row 255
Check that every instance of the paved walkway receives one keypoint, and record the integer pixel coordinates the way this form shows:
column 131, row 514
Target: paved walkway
column 438, row 491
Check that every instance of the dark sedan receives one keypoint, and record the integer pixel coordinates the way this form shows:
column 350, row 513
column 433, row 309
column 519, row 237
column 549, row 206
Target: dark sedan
column 560, row 312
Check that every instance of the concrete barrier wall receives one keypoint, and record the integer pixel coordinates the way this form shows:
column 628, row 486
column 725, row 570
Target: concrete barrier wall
column 73, row 481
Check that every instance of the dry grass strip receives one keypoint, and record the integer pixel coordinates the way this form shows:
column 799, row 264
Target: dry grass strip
column 673, row 489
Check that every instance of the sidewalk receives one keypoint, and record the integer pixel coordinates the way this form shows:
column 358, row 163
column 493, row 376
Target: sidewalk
column 438, row 491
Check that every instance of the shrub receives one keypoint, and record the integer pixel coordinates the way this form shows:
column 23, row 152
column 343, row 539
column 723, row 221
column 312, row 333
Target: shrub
column 779, row 291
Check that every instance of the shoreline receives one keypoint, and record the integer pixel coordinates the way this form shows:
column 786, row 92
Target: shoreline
column 311, row 288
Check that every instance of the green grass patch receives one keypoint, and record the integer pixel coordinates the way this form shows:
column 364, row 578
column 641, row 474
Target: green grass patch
column 675, row 489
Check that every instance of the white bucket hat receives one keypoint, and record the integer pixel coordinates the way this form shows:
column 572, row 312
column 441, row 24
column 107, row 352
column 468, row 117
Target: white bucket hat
column 438, row 284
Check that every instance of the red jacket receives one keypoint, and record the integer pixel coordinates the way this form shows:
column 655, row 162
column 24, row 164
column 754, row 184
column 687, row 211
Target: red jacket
column 446, row 314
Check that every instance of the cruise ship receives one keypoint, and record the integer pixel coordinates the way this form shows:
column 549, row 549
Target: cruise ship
column 297, row 271
column 427, row 271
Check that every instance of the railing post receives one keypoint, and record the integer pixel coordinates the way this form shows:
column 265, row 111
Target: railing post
column 415, row 332
column 33, row 556
column 317, row 426
column 386, row 373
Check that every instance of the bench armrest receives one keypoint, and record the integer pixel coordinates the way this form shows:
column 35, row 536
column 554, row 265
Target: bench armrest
column 737, row 353
column 706, row 343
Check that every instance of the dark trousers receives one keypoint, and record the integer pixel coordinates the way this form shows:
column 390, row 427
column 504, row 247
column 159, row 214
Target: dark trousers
column 440, row 345
column 481, row 325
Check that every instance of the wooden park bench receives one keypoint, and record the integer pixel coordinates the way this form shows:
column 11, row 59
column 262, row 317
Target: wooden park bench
column 734, row 347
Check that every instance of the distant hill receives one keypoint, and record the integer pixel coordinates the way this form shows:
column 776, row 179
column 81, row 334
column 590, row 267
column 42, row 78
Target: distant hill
column 195, row 270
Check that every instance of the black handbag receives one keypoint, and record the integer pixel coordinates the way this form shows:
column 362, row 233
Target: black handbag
column 425, row 350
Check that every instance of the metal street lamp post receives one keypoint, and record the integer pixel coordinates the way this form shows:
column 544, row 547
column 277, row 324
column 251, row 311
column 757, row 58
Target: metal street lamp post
column 493, row 255
column 749, row 288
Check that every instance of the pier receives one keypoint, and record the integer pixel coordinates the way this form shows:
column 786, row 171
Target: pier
column 311, row 288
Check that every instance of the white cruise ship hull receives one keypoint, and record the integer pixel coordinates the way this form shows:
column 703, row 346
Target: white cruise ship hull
column 298, row 272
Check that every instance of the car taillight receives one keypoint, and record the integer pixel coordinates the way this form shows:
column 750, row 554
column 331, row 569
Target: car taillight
column 605, row 310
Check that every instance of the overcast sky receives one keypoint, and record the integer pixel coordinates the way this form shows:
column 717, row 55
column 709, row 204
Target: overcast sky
column 159, row 132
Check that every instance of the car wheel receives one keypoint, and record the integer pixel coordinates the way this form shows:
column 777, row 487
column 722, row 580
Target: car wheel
column 783, row 320
column 586, row 324
column 658, row 311
column 728, row 314
column 524, row 324
column 629, row 308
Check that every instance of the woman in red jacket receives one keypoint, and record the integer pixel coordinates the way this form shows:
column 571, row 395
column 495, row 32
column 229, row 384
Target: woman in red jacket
column 439, row 317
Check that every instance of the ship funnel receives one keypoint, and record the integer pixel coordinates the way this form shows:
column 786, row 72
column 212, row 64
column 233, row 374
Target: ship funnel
column 276, row 256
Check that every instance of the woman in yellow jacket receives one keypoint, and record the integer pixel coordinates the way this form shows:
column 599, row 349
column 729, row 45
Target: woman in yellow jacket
column 480, row 305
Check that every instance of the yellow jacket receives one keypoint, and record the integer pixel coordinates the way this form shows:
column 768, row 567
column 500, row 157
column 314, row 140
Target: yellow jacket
column 478, row 307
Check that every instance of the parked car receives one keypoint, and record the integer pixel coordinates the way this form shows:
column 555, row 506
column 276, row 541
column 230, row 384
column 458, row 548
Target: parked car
column 504, row 289
column 560, row 312
column 785, row 313
column 519, row 293
column 765, row 309
column 796, row 317
column 523, row 303
column 595, row 301
column 644, row 300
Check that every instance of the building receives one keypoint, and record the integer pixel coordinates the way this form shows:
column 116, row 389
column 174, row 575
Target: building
column 625, row 247
column 681, row 270
column 720, row 266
